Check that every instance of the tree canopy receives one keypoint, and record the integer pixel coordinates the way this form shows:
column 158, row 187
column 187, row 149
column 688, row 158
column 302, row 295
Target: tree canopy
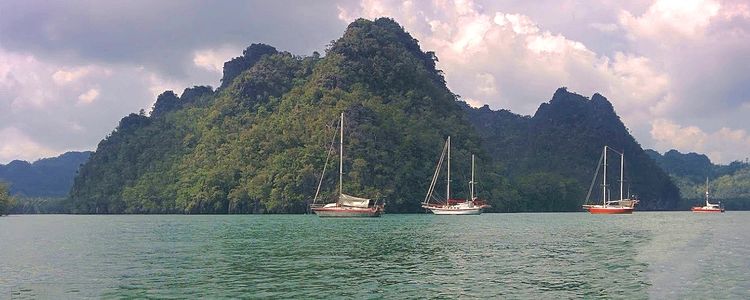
column 259, row 142
column 6, row 201
column 729, row 183
column 47, row 177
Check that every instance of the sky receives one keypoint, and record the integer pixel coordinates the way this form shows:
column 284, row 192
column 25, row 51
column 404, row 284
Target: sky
column 676, row 71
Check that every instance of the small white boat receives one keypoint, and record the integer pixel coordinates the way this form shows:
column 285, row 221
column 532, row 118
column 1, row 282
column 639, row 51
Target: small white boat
column 463, row 208
column 450, row 206
column 709, row 207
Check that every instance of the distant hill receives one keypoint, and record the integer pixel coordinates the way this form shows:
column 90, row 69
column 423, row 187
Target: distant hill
column 258, row 143
column 562, row 143
column 728, row 183
column 47, row 177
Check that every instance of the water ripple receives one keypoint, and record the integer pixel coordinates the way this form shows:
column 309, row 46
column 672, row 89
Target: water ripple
column 574, row 255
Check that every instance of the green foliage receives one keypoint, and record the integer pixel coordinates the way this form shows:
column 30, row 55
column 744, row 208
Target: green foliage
column 48, row 177
column 560, row 146
column 6, row 201
column 548, row 192
column 165, row 102
column 258, row 143
column 734, row 190
column 39, row 205
column 729, row 184
column 250, row 56
column 692, row 166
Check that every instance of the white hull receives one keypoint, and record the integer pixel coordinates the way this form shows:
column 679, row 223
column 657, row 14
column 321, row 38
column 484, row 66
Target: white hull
column 348, row 212
column 470, row 206
column 455, row 211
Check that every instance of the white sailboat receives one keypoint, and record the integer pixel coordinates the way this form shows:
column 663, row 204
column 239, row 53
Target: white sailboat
column 608, row 206
column 345, row 205
column 452, row 206
column 709, row 207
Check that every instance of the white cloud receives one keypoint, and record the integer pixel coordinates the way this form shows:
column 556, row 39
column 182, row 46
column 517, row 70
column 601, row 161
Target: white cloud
column 519, row 23
column 636, row 86
column 27, row 83
column 213, row 59
column 605, row 27
column 671, row 19
column 669, row 135
column 549, row 43
column 47, row 63
column 17, row 145
column 53, row 107
column 88, row 97
column 62, row 77
column 158, row 84
column 680, row 61
column 486, row 84
column 703, row 47
column 643, row 76
column 732, row 10
column 470, row 37
column 22, row 76
column 508, row 61
column 473, row 103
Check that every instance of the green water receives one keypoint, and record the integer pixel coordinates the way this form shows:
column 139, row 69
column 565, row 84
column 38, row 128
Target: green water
column 573, row 255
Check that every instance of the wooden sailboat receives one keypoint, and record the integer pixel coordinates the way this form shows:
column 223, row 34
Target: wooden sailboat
column 608, row 206
column 472, row 206
column 709, row 207
column 345, row 205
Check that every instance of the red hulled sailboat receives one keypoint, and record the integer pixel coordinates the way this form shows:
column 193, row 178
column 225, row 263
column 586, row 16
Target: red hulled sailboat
column 709, row 207
column 608, row 206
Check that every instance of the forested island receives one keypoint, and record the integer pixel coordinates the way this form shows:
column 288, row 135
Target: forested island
column 257, row 143
column 41, row 186
column 6, row 201
column 729, row 184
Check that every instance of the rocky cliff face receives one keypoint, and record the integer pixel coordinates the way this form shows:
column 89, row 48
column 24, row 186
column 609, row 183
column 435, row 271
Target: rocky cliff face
column 259, row 142
column 565, row 137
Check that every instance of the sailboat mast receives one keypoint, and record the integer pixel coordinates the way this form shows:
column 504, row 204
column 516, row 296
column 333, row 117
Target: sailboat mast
column 472, row 178
column 604, row 182
column 622, row 172
column 706, row 191
column 629, row 191
column 341, row 157
column 448, row 188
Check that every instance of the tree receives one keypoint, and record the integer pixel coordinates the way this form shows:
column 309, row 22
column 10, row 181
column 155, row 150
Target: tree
column 259, row 142
column 6, row 201
column 166, row 102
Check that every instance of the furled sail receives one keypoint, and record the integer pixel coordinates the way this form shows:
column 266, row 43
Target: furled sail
column 346, row 200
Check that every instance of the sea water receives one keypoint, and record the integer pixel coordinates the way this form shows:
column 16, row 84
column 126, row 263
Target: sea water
column 537, row 255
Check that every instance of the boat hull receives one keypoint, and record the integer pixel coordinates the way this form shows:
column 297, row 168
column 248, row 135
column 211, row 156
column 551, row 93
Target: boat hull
column 700, row 209
column 347, row 212
column 609, row 210
column 455, row 211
